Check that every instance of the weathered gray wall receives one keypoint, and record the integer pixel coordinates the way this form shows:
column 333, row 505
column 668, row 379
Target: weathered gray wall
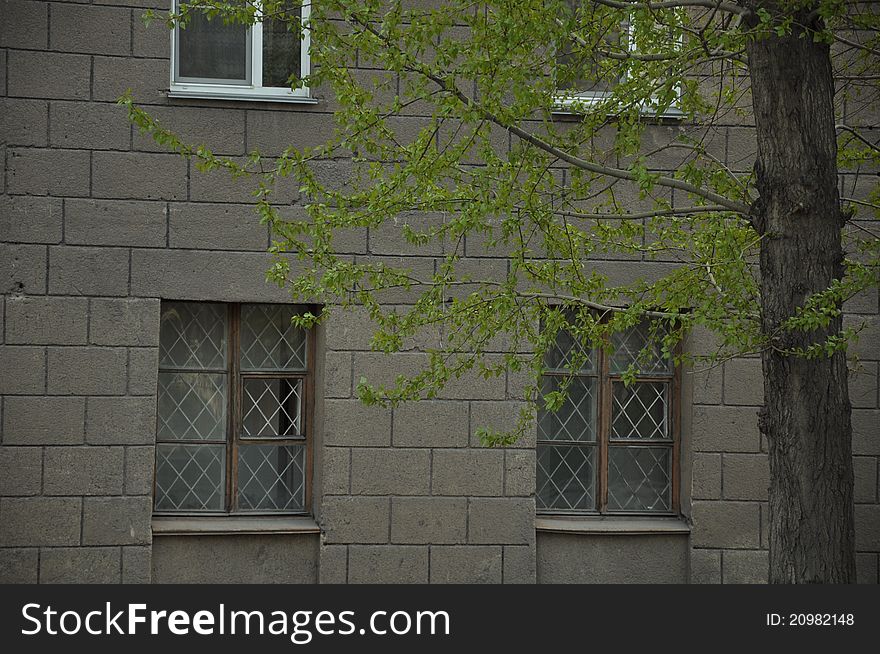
column 98, row 225
column 277, row 559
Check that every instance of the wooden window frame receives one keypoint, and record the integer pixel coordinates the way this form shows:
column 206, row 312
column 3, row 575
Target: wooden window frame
column 604, row 406
column 235, row 385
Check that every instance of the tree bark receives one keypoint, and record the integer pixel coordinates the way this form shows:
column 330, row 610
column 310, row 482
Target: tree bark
column 806, row 417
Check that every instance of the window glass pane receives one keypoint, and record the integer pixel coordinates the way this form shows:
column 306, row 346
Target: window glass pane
column 562, row 355
column 192, row 335
column 210, row 49
column 269, row 341
column 271, row 407
column 566, row 477
column 639, row 478
column 190, row 477
column 584, row 73
column 628, row 348
column 639, row 411
column 191, row 406
column 281, row 49
column 271, row 477
column 576, row 418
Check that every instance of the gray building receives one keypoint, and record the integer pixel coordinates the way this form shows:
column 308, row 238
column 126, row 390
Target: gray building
column 162, row 422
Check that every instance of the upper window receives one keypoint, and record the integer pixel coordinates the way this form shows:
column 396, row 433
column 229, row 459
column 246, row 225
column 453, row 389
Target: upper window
column 233, row 419
column 253, row 62
column 610, row 448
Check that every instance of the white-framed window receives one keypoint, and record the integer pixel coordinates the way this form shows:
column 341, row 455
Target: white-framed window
column 580, row 95
column 211, row 59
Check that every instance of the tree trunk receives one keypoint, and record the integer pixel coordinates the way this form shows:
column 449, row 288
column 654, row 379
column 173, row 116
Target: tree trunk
column 806, row 413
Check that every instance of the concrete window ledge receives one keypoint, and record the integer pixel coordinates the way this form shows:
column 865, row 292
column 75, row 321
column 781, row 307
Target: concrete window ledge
column 231, row 526
column 611, row 525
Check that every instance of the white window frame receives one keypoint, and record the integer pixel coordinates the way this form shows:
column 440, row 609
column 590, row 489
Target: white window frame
column 252, row 88
column 577, row 102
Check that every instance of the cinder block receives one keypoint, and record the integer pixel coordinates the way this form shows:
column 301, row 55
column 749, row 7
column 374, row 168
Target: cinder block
column 741, row 148
column 499, row 417
column 37, row 171
column 139, row 176
column 25, row 122
column 216, row 227
column 390, row 236
column 132, row 322
column 143, row 370
column 708, row 385
column 151, row 40
column 349, row 329
column 745, row 567
column 26, row 24
column 24, row 370
column 868, row 345
column 388, row 564
column 113, row 76
column 743, row 382
column 866, row 431
column 270, row 132
column 468, row 564
column 203, row 275
column 220, row 130
column 117, row 520
column 80, row 565
column 35, row 74
column 115, row 222
column 22, row 268
column 733, row 525
column 337, row 374
column 335, row 470
column 355, row 519
column 43, row 420
column 34, row 521
column 863, row 385
column 866, row 568
column 380, row 471
column 428, row 520
column 519, row 473
column 746, row 476
column 19, row 566
column 88, row 271
column 140, row 463
column 29, row 219
column 468, row 472
column 74, row 27
column 87, row 371
column 505, row 521
column 83, row 471
column 136, row 565
column 121, row 420
column 726, row 429
column 22, row 470
column 43, row 320
column 520, row 564
column 431, row 424
column 333, row 566
column 351, row 423
column 219, row 186
column 89, row 125
column 865, row 469
column 868, row 527
column 707, row 476
column 705, row 566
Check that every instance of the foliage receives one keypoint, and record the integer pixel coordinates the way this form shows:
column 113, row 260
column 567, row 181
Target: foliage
column 492, row 167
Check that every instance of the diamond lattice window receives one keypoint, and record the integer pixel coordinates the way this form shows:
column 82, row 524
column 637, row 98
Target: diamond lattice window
column 610, row 447
column 232, row 429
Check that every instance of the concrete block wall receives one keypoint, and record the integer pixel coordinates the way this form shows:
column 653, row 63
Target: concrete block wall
column 98, row 225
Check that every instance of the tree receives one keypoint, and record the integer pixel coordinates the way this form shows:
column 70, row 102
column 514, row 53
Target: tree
column 763, row 257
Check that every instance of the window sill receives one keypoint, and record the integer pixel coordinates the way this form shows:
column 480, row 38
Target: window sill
column 251, row 94
column 573, row 107
column 616, row 525
column 232, row 526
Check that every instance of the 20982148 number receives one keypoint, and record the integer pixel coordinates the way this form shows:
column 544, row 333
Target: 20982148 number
column 811, row 620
